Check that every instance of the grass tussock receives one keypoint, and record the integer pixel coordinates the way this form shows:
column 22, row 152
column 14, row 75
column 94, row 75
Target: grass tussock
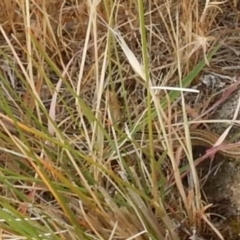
column 80, row 122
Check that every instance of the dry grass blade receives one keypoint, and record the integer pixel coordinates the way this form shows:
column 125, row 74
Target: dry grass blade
column 92, row 102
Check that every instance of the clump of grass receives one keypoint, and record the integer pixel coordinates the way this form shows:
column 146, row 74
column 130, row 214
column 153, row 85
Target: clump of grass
column 79, row 118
